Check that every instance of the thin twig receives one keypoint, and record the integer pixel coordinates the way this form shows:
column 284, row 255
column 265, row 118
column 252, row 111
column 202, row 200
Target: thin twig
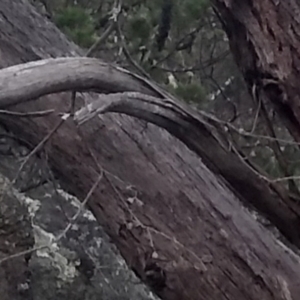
column 19, row 254
column 31, row 154
column 92, row 50
column 33, row 114
column 64, row 232
column 38, row 148
column 127, row 53
column 288, row 178
column 111, row 28
column 150, row 229
column 256, row 115
column 80, row 209
column 243, row 132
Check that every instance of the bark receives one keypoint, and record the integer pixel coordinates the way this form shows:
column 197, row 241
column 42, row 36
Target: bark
column 264, row 39
column 208, row 244
column 32, row 80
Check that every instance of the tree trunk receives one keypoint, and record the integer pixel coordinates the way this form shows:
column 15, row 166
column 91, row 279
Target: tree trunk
column 157, row 197
column 264, row 39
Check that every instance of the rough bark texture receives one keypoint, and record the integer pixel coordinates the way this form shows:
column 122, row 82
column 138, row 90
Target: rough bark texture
column 209, row 245
column 24, row 82
column 265, row 41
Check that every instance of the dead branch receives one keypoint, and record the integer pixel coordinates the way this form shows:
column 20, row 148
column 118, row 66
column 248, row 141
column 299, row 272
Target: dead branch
column 138, row 97
column 21, row 83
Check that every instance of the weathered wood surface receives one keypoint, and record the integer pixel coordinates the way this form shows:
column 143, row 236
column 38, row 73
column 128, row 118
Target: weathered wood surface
column 21, row 83
column 264, row 38
column 209, row 245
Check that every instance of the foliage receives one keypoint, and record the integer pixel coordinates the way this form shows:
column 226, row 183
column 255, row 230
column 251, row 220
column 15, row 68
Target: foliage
column 191, row 92
column 77, row 24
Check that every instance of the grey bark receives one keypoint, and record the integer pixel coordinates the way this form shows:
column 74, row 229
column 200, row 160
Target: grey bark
column 25, row 82
column 208, row 244
column 264, row 39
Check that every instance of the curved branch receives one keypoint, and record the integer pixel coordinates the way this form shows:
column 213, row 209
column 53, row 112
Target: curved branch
column 31, row 80
column 24, row 82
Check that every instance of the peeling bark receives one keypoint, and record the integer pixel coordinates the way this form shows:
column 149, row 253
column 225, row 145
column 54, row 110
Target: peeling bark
column 208, row 244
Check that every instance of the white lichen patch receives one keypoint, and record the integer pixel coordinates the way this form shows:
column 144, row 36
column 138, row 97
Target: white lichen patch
column 88, row 215
column 75, row 227
column 32, row 205
column 98, row 241
column 45, row 242
column 44, row 239
column 67, row 269
column 76, row 203
column 71, row 199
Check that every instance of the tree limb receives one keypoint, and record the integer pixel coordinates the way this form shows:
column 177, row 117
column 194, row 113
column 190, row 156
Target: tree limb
column 140, row 98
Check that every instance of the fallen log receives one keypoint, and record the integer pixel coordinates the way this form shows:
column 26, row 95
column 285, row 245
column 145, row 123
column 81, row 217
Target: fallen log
column 158, row 197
